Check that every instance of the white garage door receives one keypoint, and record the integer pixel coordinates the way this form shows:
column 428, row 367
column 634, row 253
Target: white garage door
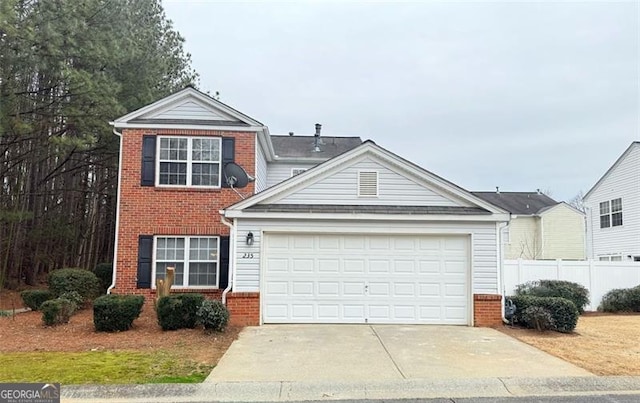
column 323, row 278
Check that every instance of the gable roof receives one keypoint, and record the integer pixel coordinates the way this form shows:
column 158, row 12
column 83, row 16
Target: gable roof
column 545, row 210
column 615, row 164
column 368, row 147
column 294, row 147
column 188, row 108
column 518, row 203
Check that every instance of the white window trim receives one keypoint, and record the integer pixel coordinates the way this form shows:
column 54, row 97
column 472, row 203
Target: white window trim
column 610, row 214
column 189, row 162
column 186, row 262
column 297, row 169
column 608, row 258
column 377, row 183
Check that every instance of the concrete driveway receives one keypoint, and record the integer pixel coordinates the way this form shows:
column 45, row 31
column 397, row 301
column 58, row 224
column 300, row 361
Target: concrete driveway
column 381, row 352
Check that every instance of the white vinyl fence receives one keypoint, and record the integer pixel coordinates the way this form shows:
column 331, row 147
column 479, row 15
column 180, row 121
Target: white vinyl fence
column 598, row 277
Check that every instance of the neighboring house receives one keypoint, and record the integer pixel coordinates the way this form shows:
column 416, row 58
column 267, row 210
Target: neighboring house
column 613, row 210
column 333, row 230
column 540, row 227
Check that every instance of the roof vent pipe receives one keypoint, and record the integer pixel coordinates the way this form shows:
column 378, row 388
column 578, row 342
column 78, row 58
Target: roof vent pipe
column 316, row 141
column 290, row 133
column 318, row 128
column 498, row 189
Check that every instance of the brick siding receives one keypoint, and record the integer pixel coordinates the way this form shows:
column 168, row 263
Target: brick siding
column 487, row 310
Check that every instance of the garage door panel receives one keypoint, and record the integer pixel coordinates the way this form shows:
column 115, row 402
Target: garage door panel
column 365, row 279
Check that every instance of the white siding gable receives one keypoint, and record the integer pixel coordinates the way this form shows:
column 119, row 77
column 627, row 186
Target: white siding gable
column 281, row 171
column 394, row 188
column 191, row 110
column 622, row 181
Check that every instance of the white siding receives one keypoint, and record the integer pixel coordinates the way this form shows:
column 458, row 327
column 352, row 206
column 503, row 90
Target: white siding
column 393, row 189
column 190, row 110
column 623, row 181
column 484, row 259
column 280, row 171
column 261, row 168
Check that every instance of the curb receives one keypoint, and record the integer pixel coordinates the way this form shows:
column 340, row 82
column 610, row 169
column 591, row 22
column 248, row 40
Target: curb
column 310, row 391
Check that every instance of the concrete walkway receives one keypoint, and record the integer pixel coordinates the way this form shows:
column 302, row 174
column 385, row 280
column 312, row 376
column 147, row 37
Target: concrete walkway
column 317, row 391
column 362, row 353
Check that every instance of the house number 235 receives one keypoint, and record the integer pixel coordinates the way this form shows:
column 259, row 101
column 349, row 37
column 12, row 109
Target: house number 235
column 247, row 255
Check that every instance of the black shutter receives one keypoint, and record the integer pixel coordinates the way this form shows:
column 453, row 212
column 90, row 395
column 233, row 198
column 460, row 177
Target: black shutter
column 145, row 253
column 224, row 262
column 148, row 176
column 228, row 155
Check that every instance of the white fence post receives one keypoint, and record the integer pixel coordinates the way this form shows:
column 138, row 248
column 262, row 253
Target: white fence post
column 558, row 269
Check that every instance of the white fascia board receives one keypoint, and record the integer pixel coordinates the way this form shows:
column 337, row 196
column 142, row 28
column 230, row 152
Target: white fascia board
column 185, row 127
column 371, row 217
column 611, row 168
column 267, row 146
column 185, row 93
column 575, row 210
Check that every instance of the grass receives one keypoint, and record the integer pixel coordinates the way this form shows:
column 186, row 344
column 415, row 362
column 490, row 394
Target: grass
column 100, row 367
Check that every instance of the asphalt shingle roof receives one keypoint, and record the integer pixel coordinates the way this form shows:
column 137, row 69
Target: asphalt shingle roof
column 303, row 146
column 519, row 203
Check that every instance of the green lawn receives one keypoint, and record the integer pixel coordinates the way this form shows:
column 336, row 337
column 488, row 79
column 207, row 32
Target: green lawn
column 100, row 367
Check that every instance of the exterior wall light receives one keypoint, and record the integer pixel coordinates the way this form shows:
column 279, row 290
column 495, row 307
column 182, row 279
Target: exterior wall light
column 250, row 238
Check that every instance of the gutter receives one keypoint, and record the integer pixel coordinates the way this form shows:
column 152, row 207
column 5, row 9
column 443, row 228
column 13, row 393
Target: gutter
column 115, row 246
column 232, row 244
column 499, row 228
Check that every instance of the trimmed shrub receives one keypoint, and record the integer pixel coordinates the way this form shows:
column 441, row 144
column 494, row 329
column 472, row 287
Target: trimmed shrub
column 34, row 298
column 563, row 312
column 57, row 311
column 104, row 272
column 621, row 300
column 213, row 315
column 81, row 281
column 74, row 297
column 116, row 313
column 574, row 292
column 179, row 311
column 537, row 317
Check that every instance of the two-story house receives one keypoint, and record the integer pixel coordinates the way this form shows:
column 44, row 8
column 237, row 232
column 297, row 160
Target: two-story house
column 613, row 210
column 332, row 230
column 540, row 227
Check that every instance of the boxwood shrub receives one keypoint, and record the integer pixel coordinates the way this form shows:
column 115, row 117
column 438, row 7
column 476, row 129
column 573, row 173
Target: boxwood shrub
column 34, row 298
column 57, row 311
column 621, row 300
column 574, row 292
column 563, row 312
column 213, row 315
column 179, row 311
column 104, row 272
column 81, row 281
column 116, row 313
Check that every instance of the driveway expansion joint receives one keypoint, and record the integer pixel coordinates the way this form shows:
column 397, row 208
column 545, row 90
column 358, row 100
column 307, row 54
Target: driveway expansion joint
column 388, row 353
column 505, row 386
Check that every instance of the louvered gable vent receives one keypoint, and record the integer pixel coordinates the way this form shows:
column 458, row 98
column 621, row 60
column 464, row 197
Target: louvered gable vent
column 367, row 183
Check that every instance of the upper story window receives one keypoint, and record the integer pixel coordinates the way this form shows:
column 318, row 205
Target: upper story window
column 189, row 161
column 611, row 213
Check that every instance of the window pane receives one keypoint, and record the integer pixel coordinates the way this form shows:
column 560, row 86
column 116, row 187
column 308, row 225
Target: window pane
column 173, row 173
column 205, row 175
column 202, row 274
column 616, row 219
column 604, row 207
column 205, row 150
column 603, row 258
column 161, row 271
column 616, row 205
column 605, row 221
column 616, row 258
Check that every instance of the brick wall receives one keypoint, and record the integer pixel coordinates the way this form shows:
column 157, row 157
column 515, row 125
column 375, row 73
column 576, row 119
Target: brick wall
column 244, row 308
column 170, row 211
column 487, row 310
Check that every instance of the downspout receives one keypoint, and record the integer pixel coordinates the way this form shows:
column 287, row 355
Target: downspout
column 500, row 227
column 232, row 242
column 115, row 246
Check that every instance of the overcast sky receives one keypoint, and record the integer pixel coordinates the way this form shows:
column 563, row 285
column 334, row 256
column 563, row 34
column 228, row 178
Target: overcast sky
column 485, row 94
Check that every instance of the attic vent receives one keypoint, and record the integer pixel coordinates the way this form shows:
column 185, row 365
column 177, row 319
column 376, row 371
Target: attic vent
column 367, row 184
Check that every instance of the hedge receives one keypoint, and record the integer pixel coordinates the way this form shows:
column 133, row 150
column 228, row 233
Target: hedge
column 81, row 281
column 563, row 311
column 57, row 311
column 116, row 313
column 34, row 298
column 104, row 272
column 179, row 311
column 213, row 315
column 621, row 300
column 574, row 292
